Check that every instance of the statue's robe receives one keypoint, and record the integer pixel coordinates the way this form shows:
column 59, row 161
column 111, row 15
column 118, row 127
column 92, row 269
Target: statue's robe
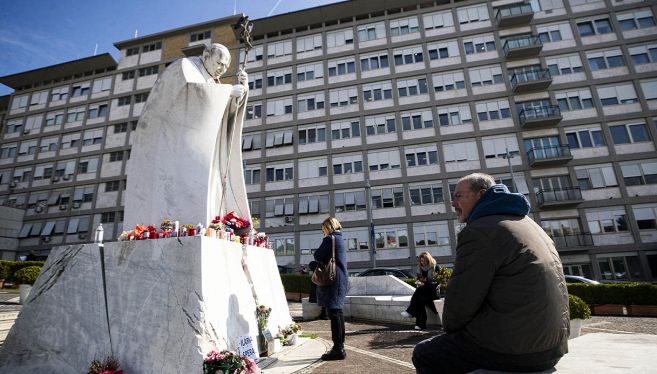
column 180, row 152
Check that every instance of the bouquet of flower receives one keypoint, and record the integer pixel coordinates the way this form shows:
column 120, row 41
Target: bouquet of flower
column 167, row 225
column 109, row 365
column 228, row 362
column 216, row 223
column 238, row 224
column 262, row 315
column 286, row 334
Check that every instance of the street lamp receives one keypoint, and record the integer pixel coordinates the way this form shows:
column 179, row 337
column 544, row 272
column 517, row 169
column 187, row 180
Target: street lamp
column 368, row 191
column 508, row 156
column 98, row 239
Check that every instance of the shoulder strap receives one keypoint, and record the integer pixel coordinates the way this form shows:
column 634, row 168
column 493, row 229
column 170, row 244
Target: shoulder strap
column 333, row 246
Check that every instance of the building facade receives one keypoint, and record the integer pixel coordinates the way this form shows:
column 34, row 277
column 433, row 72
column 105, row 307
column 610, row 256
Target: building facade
column 370, row 111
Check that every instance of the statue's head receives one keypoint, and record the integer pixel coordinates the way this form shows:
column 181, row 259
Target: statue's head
column 216, row 59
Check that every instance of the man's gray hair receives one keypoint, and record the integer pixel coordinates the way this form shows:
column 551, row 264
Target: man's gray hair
column 478, row 181
column 213, row 48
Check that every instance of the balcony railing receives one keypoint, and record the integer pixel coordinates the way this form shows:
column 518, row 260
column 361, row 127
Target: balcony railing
column 559, row 196
column 522, row 46
column 577, row 240
column 533, row 80
column 555, row 154
column 540, row 116
column 516, row 14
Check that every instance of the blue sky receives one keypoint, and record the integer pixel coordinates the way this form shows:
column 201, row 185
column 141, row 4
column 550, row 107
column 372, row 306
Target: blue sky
column 39, row 33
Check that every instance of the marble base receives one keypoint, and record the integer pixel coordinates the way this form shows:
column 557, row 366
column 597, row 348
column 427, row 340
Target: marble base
column 170, row 301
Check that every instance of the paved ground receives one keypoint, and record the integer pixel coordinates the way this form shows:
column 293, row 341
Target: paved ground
column 384, row 348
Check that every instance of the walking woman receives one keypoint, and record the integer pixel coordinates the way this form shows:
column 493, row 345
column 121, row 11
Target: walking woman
column 332, row 297
column 425, row 292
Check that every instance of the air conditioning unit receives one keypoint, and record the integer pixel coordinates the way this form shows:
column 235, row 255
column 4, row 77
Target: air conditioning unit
column 63, row 207
column 26, row 131
column 76, row 204
column 12, row 185
column 289, row 219
column 38, row 209
column 66, row 177
column 82, row 235
column 55, row 179
column 45, row 239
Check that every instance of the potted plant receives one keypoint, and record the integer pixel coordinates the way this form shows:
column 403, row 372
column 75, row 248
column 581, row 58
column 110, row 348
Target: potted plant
column 579, row 311
column 289, row 335
column 228, row 362
column 110, row 365
column 26, row 277
column 191, row 230
column 4, row 272
column 262, row 316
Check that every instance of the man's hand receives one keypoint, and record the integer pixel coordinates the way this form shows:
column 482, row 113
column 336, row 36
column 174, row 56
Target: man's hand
column 241, row 88
column 237, row 91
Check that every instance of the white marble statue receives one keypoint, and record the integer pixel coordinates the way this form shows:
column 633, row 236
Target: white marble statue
column 186, row 159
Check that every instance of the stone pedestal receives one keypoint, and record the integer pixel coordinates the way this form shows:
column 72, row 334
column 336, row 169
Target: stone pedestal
column 169, row 301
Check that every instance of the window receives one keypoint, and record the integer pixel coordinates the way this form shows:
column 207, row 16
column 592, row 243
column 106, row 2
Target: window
column 345, row 129
column 416, row 120
column 574, row 100
column 629, row 133
column 391, row 237
column 279, row 207
column 454, row 116
column 585, row 138
column 28, row 147
column 75, row 114
column 347, row 164
column 80, row 89
column 309, row 72
column 643, row 54
column 283, row 246
column 19, row 102
column 619, row 93
column 83, row 194
column 280, row 173
column 278, row 138
column 22, row 174
column 54, row 118
column 124, row 100
column 120, row 127
column 373, row 31
column 255, row 54
column 595, row 176
column 392, row 197
column 460, row 151
column 199, row 35
column 349, row 201
column 39, row 98
column 312, row 101
column 481, row 44
column 594, row 27
column 116, row 156
column 637, row 19
column 477, row 13
column 70, row 140
column 112, row 186
column 383, row 160
column 279, row 107
column 381, row 124
column 253, row 111
column 255, row 81
column 561, row 227
column 141, row 97
column 645, row 216
column 486, row 76
column 309, row 43
column 93, row 137
column 97, row 111
column 492, row 110
column 343, row 96
column 410, row 55
column 448, row 81
column 49, row 144
column 152, row 47
column 279, row 49
column 252, row 176
column 431, row 234
column 132, row 51
column 251, row 142
column 496, row 147
column 143, row 72
column 314, row 204
column 442, row 50
column 279, row 77
column 412, row 87
column 649, row 88
column 313, row 168
column 102, row 84
column 377, row 91
column 107, row 217
column 639, row 173
column 438, row 20
column 341, row 67
column 564, row 65
column 600, row 60
column 607, row 221
column 404, row 26
column 312, row 134
column 373, row 61
column 59, row 93
column 14, row 127
column 554, row 32
column 339, row 38
column 426, row 194
column 421, row 156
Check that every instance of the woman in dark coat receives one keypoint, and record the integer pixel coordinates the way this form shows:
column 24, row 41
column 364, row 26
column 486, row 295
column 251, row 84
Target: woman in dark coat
column 425, row 291
column 332, row 297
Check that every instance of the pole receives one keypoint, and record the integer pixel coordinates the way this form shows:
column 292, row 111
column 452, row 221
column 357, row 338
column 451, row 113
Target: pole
column 508, row 157
column 372, row 242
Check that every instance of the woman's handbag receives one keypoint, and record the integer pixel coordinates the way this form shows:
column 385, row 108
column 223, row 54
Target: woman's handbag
column 324, row 274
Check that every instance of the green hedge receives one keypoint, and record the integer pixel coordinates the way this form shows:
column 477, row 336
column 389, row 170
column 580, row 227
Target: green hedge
column 296, row 283
column 27, row 275
column 9, row 268
column 616, row 293
column 578, row 308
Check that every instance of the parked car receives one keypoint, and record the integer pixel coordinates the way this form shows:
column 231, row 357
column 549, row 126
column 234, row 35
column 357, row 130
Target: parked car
column 578, row 279
column 399, row 273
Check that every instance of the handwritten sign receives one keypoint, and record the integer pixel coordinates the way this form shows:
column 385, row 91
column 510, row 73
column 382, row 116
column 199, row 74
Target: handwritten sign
column 267, row 335
column 245, row 347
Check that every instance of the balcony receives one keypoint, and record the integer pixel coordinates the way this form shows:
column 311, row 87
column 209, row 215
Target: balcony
column 533, row 80
column 559, row 197
column 570, row 241
column 552, row 155
column 539, row 116
column 522, row 46
column 514, row 15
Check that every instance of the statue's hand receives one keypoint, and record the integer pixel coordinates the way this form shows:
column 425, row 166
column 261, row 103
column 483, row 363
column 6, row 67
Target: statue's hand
column 243, row 77
column 238, row 90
